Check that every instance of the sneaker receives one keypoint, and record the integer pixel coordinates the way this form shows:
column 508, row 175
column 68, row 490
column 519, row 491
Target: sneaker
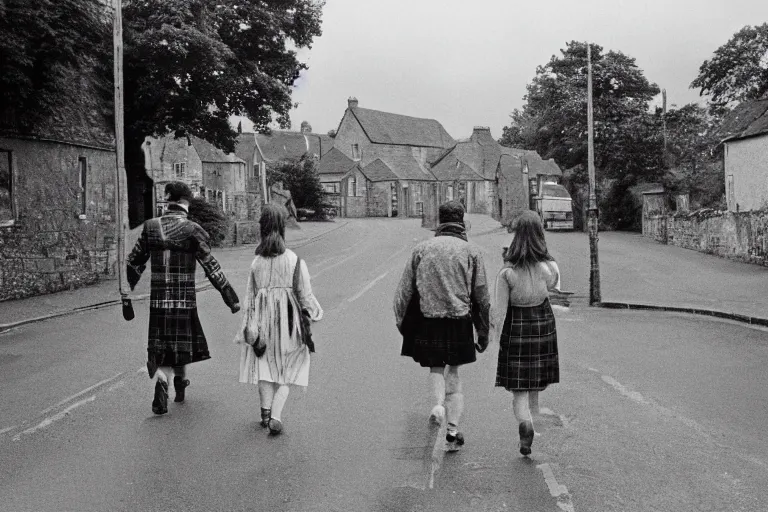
column 160, row 403
column 454, row 441
column 179, row 385
column 526, row 437
column 437, row 415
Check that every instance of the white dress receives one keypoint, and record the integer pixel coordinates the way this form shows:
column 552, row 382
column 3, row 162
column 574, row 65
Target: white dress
column 266, row 311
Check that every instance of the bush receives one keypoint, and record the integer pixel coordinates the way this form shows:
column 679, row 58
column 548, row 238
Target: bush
column 211, row 218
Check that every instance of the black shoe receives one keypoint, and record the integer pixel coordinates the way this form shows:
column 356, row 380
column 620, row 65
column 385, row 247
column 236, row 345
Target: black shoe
column 160, row 403
column 266, row 414
column 180, row 384
column 526, row 437
column 275, row 426
column 454, row 440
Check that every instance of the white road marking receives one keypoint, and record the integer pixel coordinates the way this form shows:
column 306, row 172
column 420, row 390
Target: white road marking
column 56, row 417
column 618, row 386
column 7, row 430
column 86, row 390
column 558, row 491
column 367, row 287
column 340, row 262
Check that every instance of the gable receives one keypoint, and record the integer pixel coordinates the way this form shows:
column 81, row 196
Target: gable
column 379, row 171
column 334, row 162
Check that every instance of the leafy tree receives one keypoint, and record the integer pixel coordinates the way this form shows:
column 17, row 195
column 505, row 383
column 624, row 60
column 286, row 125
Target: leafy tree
column 191, row 64
column 554, row 119
column 738, row 70
column 300, row 177
column 44, row 46
column 211, row 218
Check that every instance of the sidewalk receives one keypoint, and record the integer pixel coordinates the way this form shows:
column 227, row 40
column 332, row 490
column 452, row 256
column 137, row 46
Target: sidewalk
column 637, row 272
column 105, row 293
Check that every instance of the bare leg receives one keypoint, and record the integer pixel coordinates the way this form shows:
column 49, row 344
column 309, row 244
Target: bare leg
column 281, row 395
column 521, row 407
column 454, row 398
column 266, row 397
column 533, row 400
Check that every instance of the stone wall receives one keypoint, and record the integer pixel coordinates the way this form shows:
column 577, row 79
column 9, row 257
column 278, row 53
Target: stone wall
column 53, row 244
column 379, row 199
column 243, row 232
column 738, row 236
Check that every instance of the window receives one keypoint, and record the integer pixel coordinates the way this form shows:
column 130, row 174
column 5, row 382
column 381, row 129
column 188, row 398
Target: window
column 82, row 166
column 180, row 169
column 331, row 188
column 352, row 186
column 355, row 152
column 6, row 189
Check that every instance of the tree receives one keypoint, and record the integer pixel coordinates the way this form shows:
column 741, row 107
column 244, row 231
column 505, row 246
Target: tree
column 211, row 218
column 738, row 70
column 45, row 46
column 300, row 177
column 554, row 122
column 191, row 64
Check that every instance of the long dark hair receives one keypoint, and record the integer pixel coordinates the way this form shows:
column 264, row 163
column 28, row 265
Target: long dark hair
column 528, row 247
column 272, row 225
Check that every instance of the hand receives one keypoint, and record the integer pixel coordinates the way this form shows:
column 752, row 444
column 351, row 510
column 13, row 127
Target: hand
column 235, row 308
column 481, row 344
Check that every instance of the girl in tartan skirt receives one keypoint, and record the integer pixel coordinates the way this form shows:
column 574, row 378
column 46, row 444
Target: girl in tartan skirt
column 524, row 324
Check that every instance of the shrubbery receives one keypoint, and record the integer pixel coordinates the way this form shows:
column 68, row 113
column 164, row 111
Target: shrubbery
column 211, row 218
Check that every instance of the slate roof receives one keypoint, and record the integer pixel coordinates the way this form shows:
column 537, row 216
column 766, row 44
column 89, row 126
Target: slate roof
column 406, row 167
column 282, row 145
column 335, row 162
column 211, row 154
column 379, row 171
column 388, row 128
column 450, row 168
column 748, row 119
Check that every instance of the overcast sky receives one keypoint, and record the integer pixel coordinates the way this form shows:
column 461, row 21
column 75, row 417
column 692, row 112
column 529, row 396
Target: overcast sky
column 466, row 63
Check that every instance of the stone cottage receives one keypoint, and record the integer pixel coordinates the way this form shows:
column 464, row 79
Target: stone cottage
column 393, row 154
column 57, row 196
column 745, row 156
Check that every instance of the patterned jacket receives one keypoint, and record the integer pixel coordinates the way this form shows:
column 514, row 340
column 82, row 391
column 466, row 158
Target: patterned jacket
column 174, row 244
column 449, row 275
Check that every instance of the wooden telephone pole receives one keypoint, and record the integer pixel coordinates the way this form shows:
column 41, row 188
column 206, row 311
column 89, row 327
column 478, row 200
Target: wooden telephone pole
column 121, row 189
column 594, row 262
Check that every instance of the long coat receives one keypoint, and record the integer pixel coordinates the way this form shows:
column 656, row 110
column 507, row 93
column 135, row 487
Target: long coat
column 174, row 245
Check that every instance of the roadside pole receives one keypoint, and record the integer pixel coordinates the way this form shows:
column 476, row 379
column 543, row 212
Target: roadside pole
column 121, row 204
column 594, row 263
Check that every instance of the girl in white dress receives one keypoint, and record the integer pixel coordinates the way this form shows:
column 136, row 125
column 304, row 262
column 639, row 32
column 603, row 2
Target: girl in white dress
column 272, row 353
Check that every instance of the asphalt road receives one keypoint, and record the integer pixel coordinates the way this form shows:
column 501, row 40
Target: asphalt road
column 654, row 411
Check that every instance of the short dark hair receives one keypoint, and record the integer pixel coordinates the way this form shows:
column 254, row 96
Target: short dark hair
column 272, row 224
column 178, row 191
column 452, row 211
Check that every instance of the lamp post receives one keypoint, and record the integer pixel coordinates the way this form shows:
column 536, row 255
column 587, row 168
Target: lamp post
column 594, row 263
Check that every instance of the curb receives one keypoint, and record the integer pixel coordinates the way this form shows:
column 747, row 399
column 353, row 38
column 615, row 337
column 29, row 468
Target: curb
column 200, row 286
column 751, row 320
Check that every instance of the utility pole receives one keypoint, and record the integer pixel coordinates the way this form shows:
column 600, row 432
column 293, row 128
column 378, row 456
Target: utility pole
column 664, row 122
column 121, row 203
column 594, row 263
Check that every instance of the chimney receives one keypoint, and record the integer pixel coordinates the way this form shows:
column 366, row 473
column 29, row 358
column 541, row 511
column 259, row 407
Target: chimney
column 352, row 102
column 306, row 127
column 481, row 133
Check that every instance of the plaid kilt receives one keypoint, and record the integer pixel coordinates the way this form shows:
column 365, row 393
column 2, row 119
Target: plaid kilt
column 528, row 358
column 176, row 338
column 441, row 341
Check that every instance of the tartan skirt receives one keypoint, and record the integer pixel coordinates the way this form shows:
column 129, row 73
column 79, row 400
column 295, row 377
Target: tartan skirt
column 441, row 341
column 176, row 338
column 528, row 358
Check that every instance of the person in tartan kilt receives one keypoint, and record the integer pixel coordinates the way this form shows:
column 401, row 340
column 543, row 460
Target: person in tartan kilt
column 174, row 244
column 523, row 322
column 442, row 295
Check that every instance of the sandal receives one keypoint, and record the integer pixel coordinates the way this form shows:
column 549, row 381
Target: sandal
column 266, row 414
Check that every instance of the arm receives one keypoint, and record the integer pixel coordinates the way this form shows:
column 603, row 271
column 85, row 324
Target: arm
column 481, row 302
column 500, row 304
column 213, row 271
column 306, row 297
column 249, row 327
column 553, row 283
column 405, row 290
column 137, row 260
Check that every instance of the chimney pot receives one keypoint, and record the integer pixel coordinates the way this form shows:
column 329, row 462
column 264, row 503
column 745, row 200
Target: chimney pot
column 352, row 102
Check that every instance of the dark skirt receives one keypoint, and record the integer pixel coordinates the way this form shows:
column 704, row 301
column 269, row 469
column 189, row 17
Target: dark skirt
column 528, row 358
column 176, row 338
column 440, row 342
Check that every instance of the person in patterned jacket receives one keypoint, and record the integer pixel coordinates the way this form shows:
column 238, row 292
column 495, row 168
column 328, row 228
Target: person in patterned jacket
column 175, row 244
column 442, row 295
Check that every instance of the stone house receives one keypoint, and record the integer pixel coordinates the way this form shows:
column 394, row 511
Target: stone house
column 745, row 156
column 332, row 168
column 57, row 196
column 169, row 159
column 393, row 153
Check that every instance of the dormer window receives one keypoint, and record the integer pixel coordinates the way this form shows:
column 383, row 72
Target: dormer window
column 355, row 152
